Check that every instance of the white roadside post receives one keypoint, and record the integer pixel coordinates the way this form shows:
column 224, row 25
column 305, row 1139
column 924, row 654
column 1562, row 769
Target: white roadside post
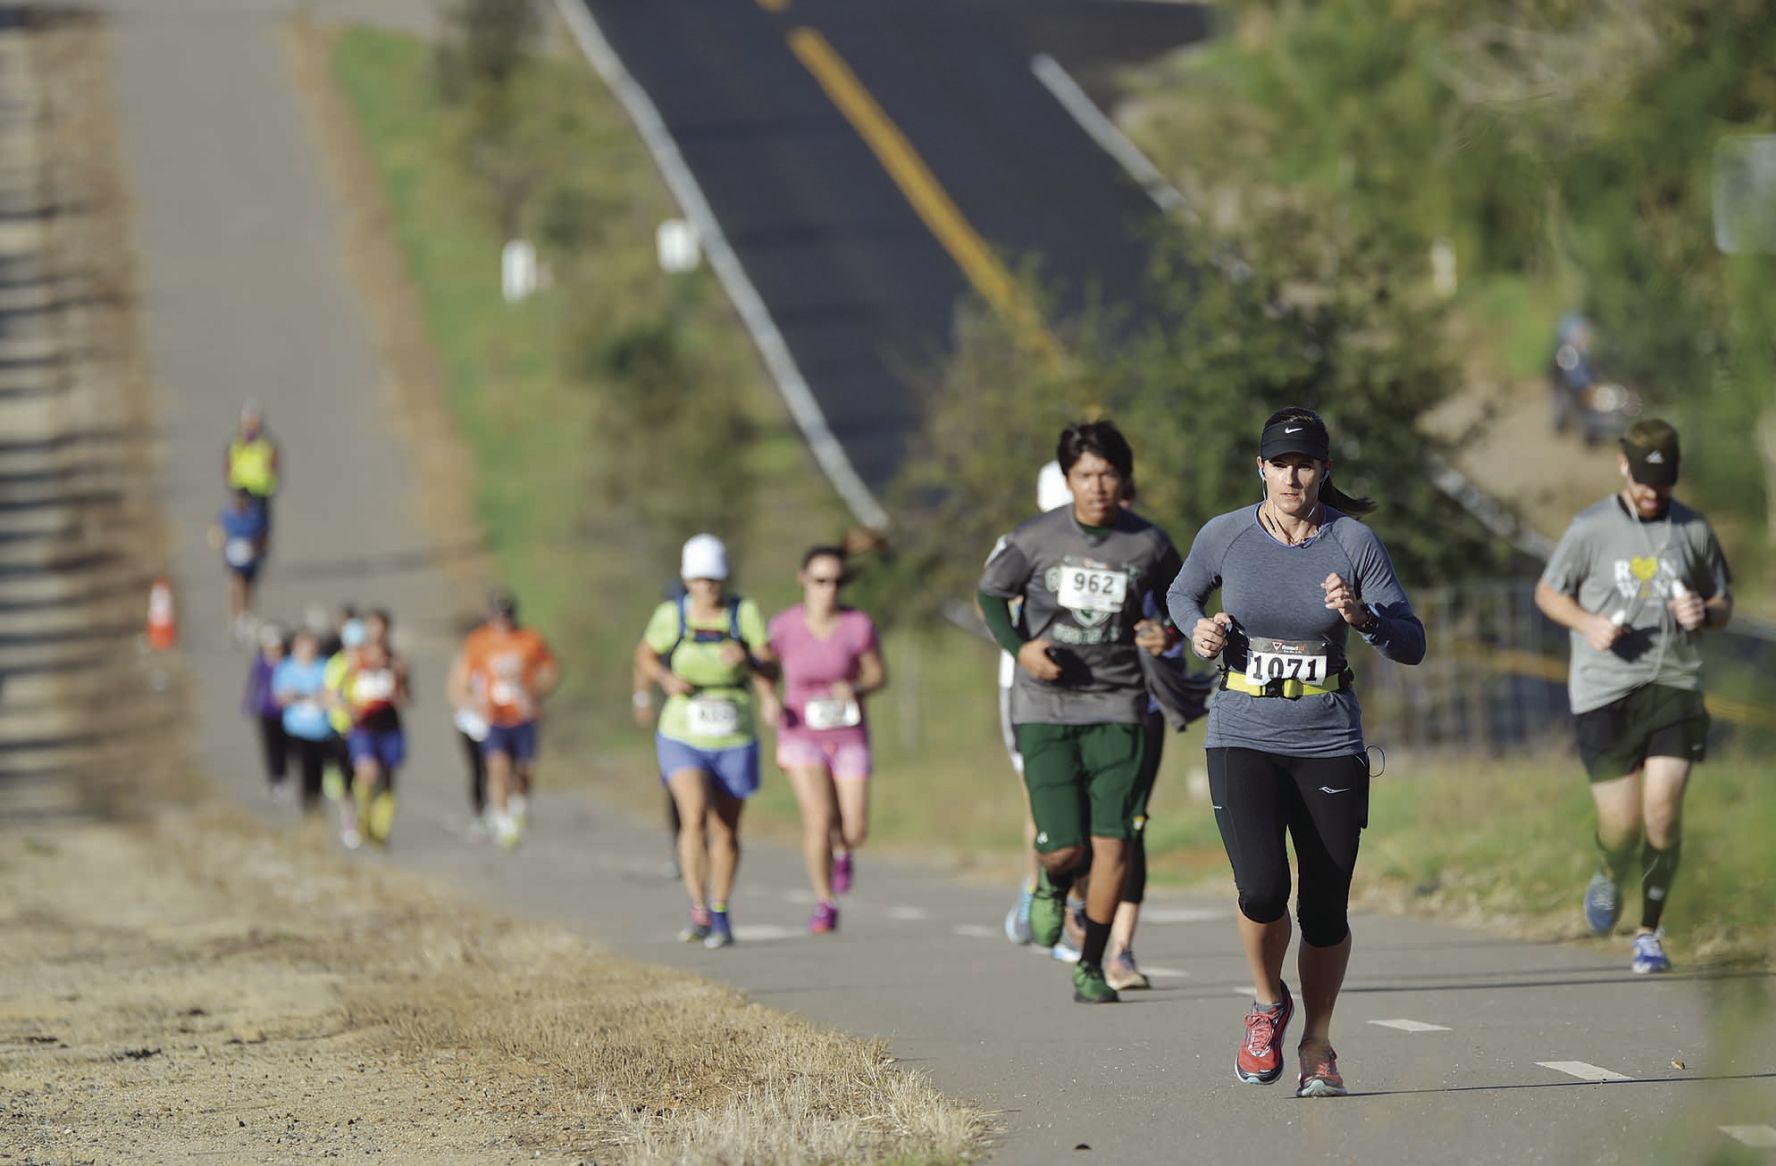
column 675, row 241
column 518, row 271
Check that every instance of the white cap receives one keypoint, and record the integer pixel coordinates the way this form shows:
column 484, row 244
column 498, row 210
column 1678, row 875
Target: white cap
column 1052, row 491
column 704, row 558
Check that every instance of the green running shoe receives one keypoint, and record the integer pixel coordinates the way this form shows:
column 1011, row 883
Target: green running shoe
column 1048, row 912
column 1090, row 987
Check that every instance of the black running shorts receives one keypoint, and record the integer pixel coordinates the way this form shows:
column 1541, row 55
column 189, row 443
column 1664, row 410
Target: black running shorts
column 1655, row 720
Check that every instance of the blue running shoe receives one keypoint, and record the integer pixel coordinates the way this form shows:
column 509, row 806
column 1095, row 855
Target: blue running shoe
column 721, row 934
column 1649, row 953
column 1017, row 920
column 1603, row 904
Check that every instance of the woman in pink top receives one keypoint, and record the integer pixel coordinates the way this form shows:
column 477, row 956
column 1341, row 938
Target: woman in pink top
column 831, row 661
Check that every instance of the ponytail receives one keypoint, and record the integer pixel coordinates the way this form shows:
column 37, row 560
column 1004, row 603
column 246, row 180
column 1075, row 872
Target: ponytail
column 1334, row 497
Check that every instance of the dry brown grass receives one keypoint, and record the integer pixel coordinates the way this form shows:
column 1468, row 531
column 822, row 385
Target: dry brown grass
column 258, row 965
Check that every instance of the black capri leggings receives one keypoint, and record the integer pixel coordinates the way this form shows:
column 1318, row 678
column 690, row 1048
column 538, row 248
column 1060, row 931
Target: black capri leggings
column 1134, row 884
column 1323, row 804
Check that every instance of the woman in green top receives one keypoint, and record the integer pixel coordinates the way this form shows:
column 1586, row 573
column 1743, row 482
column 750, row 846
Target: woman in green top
column 709, row 652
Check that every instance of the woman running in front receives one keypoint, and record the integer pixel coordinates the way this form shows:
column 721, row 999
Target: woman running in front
column 1285, row 738
column 831, row 661
column 709, row 652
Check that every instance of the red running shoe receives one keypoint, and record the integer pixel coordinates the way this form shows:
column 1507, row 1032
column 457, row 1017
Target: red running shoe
column 1260, row 1059
column 1319, row 1072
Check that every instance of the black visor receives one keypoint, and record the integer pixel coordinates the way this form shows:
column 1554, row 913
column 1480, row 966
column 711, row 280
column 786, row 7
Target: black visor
column 1294, row 437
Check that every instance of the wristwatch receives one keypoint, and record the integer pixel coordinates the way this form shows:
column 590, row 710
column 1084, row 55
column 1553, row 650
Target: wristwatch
column 1371, row 625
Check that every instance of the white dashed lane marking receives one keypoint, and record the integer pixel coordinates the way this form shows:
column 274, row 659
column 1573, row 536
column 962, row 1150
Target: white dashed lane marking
column 1757, row 1137
column 1584, row 1071
column 977, row 931
column 910, row 914
column 764, row 933
column 1411, row 1025
column 1180, row 915
column 1164, row 973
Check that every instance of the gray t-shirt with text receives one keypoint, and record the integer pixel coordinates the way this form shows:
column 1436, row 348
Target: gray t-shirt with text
column 1082, row 590
column 1618, row 565
column 1273, row 590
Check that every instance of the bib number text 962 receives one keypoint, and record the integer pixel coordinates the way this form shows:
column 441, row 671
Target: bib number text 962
column 1090, row 589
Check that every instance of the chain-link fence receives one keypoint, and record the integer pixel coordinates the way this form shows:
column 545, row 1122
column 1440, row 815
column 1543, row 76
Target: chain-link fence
column 1494, row 679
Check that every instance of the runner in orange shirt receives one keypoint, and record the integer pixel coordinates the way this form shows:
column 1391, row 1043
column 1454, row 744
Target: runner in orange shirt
column 504, row 673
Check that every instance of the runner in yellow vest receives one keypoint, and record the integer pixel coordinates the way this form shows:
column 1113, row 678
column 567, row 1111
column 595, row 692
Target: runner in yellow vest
column 252, row 460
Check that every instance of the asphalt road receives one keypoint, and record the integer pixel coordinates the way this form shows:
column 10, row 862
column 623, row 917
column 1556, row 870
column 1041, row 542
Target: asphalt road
column 245, row 294
column 861, row 289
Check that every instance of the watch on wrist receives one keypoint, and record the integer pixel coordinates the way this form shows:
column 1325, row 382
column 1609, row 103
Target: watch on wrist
column 1371, row 625
column 642, row 700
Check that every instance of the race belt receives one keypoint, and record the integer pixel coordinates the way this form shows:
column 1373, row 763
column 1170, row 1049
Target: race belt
column 1289, row 668
column 1287, row 687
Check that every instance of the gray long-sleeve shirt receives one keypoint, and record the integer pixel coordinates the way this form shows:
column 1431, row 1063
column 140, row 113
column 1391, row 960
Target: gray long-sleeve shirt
column 1273, row 590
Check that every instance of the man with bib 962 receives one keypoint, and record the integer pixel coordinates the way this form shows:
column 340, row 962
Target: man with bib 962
column 1079, row 697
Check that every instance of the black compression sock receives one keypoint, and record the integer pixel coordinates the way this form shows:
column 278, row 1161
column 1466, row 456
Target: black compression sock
column 1658, row 871
column 1062, row 883
column 1097, row 938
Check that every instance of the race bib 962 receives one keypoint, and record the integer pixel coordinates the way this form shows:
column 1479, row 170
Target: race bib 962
column 1092, row 589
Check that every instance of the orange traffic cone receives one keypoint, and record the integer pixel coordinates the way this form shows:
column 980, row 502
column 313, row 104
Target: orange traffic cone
column 163, row 623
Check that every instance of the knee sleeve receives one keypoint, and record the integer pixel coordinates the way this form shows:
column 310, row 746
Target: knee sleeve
column 1134, row 883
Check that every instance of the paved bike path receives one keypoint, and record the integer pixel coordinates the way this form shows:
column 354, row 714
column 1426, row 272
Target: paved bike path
column 245, row 294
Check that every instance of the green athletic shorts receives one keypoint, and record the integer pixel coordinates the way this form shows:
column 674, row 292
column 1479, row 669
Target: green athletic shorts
column 1081, row 778
column 1655, row 720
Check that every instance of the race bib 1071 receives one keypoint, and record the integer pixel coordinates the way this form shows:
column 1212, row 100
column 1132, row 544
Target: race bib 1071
column 1282, row 663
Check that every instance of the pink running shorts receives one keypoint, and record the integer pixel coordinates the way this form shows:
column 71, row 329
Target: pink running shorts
column 845, row 755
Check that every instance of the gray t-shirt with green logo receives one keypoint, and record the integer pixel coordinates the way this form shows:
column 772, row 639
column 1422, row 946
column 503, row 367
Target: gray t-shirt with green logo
column 1618, row 565
column 1082, row 590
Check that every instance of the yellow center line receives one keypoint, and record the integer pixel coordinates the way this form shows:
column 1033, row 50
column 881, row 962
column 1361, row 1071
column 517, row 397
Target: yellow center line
column 921, row 189
column 774, row 5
